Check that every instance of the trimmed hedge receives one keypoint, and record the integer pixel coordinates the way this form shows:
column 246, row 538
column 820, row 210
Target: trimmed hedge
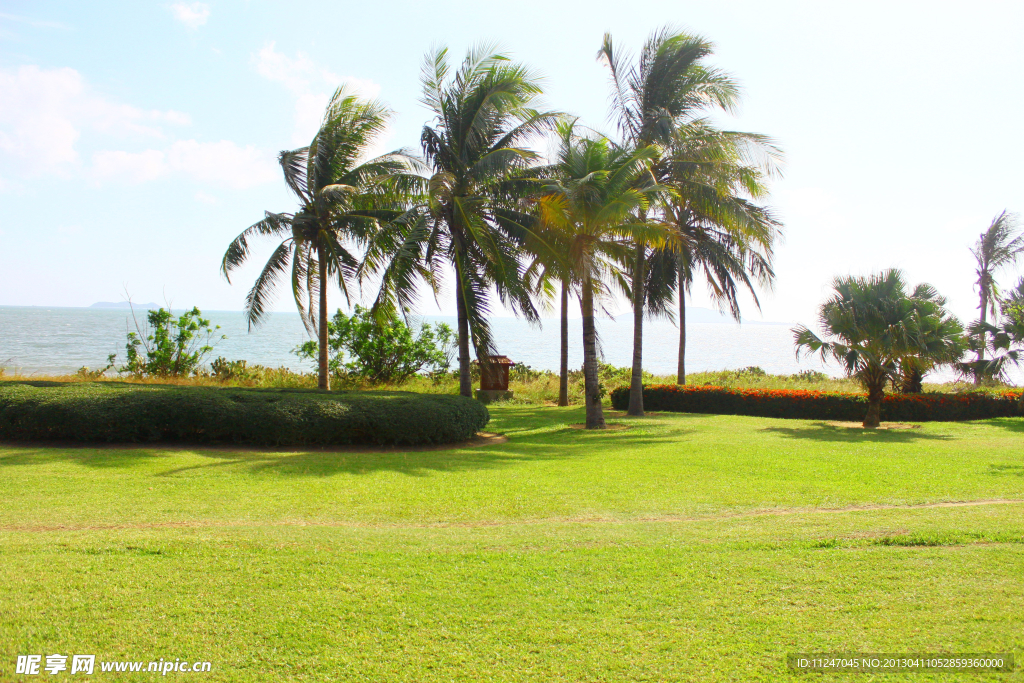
column 820, row 405
column 120, row 412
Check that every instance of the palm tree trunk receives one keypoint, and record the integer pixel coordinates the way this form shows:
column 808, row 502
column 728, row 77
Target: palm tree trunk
column 323, row 380
column 636, row 381
column 981, row 340
column 563, row 370
column 876, row 392
column 465, row 378
column 591, row 386
column 681, row 368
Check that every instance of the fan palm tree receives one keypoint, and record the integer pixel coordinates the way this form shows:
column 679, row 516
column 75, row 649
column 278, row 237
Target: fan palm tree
column 720, row 232
column 872, row 324
column 590, row 206
column 942, row 334
column 473, row 221
column 669, row 86
column 999, row 246
column 341, row 199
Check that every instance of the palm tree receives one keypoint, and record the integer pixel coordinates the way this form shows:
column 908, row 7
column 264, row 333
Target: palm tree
column 668, row 87
column 590, row 205
column 1000, row 245
column 473, row 221
column 720, row 232
column 1004, row 341
column 548, row 273
column 942, row 334
column 871, row 325
column 341, row 199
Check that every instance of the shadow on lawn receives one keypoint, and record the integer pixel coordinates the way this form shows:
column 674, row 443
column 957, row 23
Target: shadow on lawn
column 534, row 435
column 1004, row 470
column 1010, row 424
column 824, row 431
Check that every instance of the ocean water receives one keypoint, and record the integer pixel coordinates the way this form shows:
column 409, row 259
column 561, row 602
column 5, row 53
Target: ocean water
column 39, row 340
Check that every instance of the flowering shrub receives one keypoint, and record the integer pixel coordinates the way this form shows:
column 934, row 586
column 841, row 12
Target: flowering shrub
column 821, row 405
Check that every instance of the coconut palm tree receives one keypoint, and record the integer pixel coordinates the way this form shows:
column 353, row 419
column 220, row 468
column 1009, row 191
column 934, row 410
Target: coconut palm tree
column 1003, row 342
column 473, row 221
column 669, row 86
column 341, row 198
column 550, row 276
column 720, row 231
column 999, row 246
column 872, row 324
column 591, row 203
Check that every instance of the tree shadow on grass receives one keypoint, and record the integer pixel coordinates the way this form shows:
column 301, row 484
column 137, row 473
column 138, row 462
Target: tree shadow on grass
column 1010, row 424
column 823, row 431
column 1006, row 470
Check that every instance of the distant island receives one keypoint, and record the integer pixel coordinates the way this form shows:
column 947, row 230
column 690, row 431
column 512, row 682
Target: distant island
column 123, row 304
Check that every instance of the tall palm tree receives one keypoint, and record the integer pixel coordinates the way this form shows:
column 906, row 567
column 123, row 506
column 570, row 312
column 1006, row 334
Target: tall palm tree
column 341, row 198
column 872, row 324
column 720, row 231
column 999, row 246
column 591, row 204
column 669, row 86
column 549, row 275
column 473, row 221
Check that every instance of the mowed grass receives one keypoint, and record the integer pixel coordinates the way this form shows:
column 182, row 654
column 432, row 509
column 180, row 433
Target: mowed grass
column 690, row 548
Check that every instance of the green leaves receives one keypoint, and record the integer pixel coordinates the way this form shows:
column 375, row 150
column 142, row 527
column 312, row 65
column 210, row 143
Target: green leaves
column 874, row 327
column 383, row 351
column 170, row 346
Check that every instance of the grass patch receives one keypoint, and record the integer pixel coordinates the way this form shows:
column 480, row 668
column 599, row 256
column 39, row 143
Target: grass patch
column 687, row 548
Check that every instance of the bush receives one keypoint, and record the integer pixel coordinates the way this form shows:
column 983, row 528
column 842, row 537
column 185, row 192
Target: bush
column 819, row 405
column 382, row 352
column 169, row 347
column 121, row 412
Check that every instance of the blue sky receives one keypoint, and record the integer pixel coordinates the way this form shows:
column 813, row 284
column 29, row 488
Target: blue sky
column 137, row 139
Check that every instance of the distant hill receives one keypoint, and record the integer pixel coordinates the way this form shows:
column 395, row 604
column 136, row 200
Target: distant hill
column 124, row 304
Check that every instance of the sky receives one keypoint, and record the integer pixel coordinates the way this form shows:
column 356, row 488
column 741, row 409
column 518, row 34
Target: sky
column 138, row 138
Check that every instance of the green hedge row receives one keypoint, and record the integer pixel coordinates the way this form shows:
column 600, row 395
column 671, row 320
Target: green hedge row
column 819, row 405
column 119, row 412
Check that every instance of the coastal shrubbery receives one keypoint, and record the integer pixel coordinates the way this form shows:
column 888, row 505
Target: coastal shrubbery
column 820, row 405
column 122, row 412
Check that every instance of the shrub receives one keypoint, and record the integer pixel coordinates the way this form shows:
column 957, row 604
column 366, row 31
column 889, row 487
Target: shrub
column 382, row 351
column 122, row 412
column 170, row 347
column 819, row 405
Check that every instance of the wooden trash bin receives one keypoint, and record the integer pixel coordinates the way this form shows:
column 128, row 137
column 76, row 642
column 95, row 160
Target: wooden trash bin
column 494, row 379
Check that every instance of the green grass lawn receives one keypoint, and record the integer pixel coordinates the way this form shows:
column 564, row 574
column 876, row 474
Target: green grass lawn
column 684, row 548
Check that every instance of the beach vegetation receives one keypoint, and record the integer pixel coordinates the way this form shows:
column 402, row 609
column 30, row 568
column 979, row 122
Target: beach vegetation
column 873, row 327
column 591, row 200
column 343, row 200
column 168, row 345
column 129, row 413
column 477, row 148
column 362, row 345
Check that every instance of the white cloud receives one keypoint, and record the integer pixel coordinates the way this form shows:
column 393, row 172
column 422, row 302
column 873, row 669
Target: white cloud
column 129, row 167
column 206, row 198
column 192, row 15
column 219, row 163
column 44, row 111
column 222, row 163
column 310, row 84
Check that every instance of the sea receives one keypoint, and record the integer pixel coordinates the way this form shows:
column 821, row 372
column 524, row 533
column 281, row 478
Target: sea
column 37, row 340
